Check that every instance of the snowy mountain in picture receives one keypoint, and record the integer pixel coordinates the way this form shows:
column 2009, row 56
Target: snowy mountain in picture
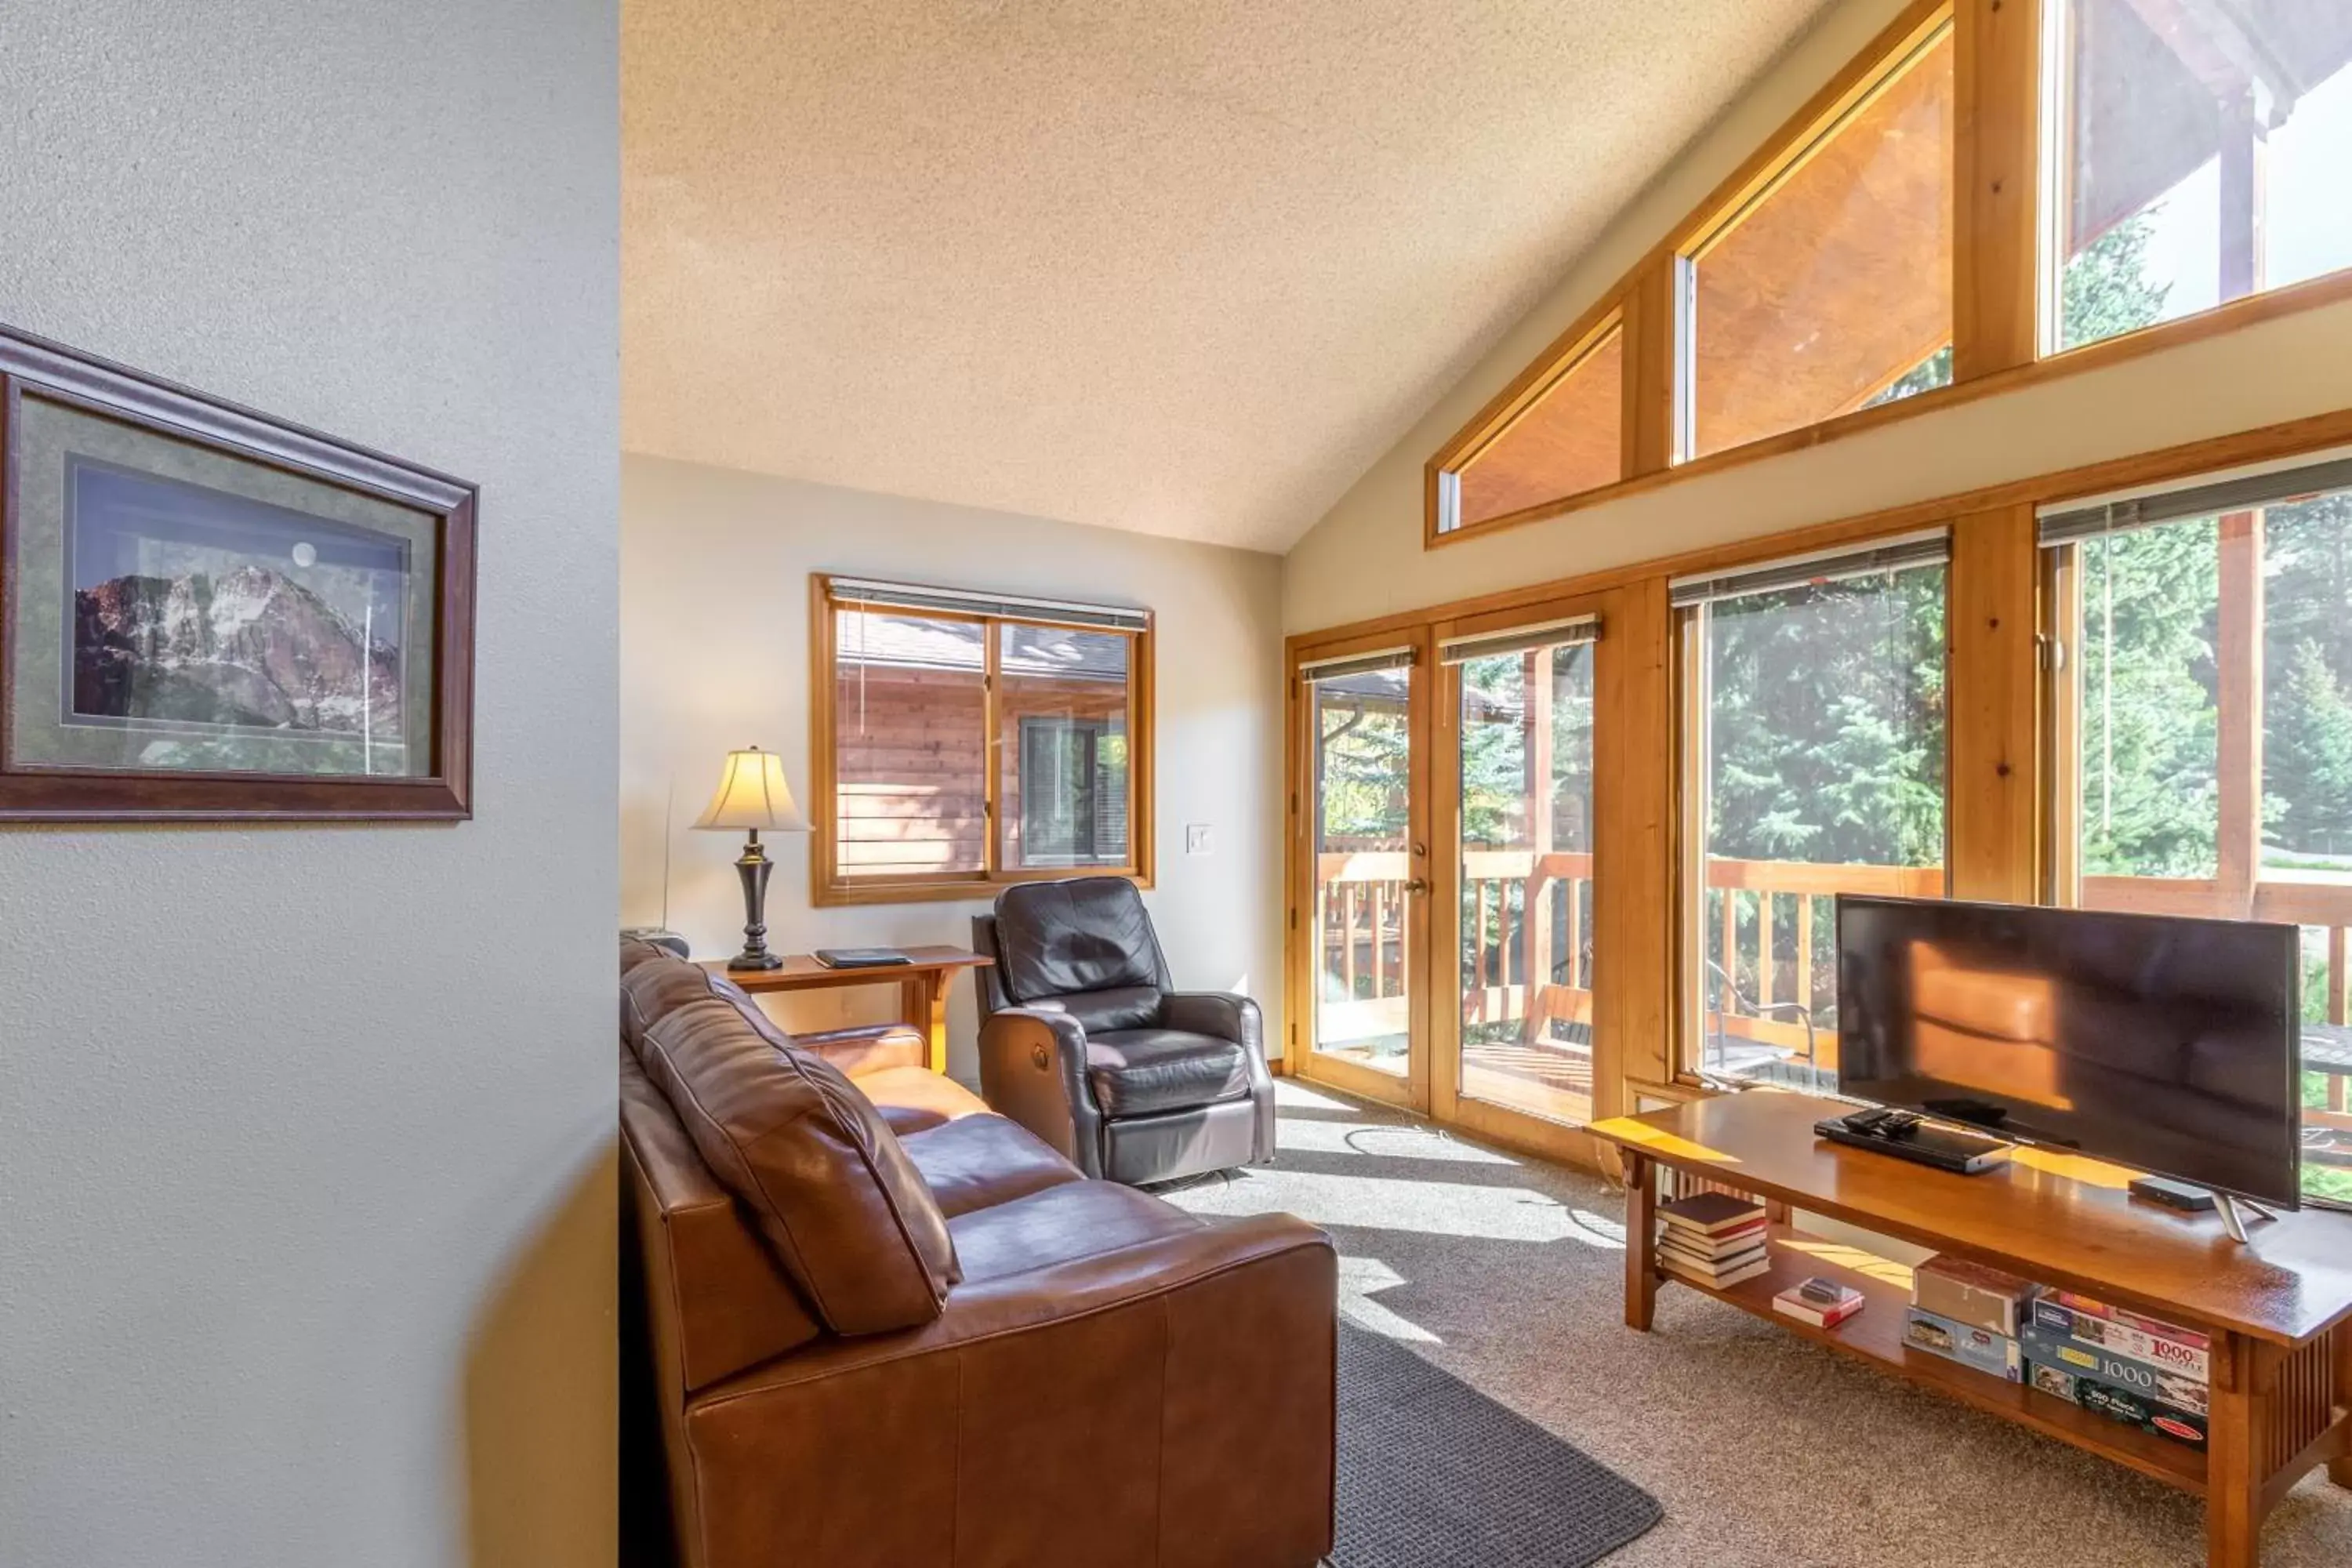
column 249, row 647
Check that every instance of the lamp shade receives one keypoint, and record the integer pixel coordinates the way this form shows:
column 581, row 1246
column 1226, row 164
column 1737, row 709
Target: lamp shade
column 753, row 794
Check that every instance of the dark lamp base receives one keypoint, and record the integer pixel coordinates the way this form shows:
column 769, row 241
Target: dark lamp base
column 755, row 961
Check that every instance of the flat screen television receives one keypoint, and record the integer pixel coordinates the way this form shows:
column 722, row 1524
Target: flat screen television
column 2168, row 1045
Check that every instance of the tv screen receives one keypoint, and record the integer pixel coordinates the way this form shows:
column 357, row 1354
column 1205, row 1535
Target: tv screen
column 2170, row 1046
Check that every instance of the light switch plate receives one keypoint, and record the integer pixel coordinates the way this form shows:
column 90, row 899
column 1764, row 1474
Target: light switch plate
column 1196, row 838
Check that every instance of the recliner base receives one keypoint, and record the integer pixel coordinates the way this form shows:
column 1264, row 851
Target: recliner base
column 1181, row 1143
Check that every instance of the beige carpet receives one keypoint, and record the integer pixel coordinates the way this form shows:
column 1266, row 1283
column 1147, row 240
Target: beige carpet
column 1765, row 1451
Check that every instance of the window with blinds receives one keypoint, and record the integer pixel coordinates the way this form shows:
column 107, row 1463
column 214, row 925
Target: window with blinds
column 1814, row 726
column 2200, row 703
column 966, row 739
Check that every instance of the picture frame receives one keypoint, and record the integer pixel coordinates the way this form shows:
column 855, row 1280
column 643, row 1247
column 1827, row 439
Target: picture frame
column 209, row 615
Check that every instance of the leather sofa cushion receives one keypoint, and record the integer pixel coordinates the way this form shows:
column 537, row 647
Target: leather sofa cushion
column 1076, row 1219
column 912, row 1098
column 1142, row 1072
column 1086, row 945
column 823, row 1177
column 982, row 1160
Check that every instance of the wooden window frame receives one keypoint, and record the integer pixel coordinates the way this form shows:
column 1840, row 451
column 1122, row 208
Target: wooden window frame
column 2006, row 744
column 2002, row 273
column 1693, row 698
column 1442, row 475
column 828, row 887
column 1885, row 66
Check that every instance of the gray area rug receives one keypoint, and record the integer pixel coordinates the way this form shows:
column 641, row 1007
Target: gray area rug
column 1767, row 1450
column 1433, row 1474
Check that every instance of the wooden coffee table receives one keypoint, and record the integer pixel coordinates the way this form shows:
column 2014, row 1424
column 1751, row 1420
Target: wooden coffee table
column 2278, row 1310
column 922, row 983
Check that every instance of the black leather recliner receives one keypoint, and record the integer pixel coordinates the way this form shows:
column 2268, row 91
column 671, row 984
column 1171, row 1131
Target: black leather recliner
column 1085, row 1041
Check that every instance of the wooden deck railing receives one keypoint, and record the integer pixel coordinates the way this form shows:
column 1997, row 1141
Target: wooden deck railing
column 1770, row 920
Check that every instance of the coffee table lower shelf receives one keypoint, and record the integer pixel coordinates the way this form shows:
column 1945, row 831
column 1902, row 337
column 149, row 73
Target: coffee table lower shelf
column 1875, row 1336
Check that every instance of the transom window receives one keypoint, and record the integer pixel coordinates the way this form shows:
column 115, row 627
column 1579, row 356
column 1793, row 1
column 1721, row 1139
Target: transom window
column 1562, row 436
column 2201, row 155
column 966, row 740
column 1829, row 287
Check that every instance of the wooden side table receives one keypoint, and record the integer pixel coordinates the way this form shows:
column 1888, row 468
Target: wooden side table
column 922, row 983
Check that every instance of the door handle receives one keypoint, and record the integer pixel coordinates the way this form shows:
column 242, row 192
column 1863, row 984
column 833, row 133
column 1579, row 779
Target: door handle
column 1418, row 885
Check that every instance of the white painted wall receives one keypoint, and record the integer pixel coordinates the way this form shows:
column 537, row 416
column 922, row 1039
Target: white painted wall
column 714, row 638
column 1365, row 557
column 306, row 1188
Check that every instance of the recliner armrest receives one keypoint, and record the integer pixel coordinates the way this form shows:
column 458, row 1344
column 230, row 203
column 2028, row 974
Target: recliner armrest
column 1218, row 1013
column 1032, row 1069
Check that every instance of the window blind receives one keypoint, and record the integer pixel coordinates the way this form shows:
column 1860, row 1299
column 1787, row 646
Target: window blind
column 1357, row 663
column 866, row 594
column 2081, row 520
column 1520, row 639
column 1924, row 549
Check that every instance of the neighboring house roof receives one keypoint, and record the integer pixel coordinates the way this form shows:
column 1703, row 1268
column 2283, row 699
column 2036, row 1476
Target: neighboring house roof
column 879, row 639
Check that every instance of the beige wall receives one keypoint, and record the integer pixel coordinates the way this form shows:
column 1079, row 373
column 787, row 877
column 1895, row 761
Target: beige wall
column 714, row 637
column 1365, row 557
column 306, row 1206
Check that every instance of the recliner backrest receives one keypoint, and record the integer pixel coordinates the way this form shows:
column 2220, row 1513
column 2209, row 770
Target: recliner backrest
column 1086, row 947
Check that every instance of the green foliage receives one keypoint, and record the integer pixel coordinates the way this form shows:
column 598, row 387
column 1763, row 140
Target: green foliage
column 1929, row 374
column 1363, row 784
column 2307, row 679
column 2106, row 290
column 1827, row 723
column 2151, row 600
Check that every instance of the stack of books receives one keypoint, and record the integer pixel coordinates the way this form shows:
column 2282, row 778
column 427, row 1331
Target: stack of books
column 2143, row 1372
column 1969, row 1313
column 1712, row 1239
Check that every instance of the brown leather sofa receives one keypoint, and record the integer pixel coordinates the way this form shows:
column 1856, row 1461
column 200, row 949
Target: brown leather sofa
column 887, row 1327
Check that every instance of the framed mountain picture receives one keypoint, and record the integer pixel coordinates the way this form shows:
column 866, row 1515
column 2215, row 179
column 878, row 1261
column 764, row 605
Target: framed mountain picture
column 208, row 615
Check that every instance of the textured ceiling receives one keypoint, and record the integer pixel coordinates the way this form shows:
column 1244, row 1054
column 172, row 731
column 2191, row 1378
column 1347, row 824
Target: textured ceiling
column 1182, row 268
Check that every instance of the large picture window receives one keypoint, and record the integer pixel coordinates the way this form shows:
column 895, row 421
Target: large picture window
column 1814, row 749
column 2200, row 156
column 2202, row 711
column 966, row 740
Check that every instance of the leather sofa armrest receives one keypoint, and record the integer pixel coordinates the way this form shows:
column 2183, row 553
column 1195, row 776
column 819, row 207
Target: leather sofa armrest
column 871, row 1048
column 968, row 1434
column 1032, row 1069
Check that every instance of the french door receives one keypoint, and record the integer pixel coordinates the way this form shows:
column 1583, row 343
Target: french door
column 1361, row 867
column 1514, row 730
column 1443, row 917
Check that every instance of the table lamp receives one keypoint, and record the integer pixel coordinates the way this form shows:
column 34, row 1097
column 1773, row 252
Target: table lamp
column 753, row 794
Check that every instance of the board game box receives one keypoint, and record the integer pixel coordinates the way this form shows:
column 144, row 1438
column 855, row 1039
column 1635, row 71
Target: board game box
column 2132, row 1338
column 1991, row 1353
column 2050, row 1347
column 2122, row 1404
column 2090, row 1308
